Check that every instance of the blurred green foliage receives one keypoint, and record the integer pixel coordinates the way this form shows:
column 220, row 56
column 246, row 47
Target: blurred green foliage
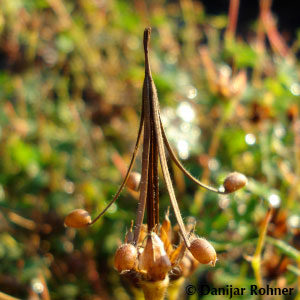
column 71, row 74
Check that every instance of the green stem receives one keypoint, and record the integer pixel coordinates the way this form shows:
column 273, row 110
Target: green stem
column 256, row 260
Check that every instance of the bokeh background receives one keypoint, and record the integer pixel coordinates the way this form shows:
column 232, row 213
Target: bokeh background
column 71, row 75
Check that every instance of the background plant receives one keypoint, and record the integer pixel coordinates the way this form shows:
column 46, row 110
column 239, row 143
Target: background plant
column 69, row 102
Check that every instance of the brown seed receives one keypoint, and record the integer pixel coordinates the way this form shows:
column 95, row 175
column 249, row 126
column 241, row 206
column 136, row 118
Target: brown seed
column 133, row 181
column 234, row 181
column 203, row 251
column 78, row 218
column 125, row 257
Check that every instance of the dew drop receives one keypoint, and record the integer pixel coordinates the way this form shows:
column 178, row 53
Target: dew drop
column 186, row 112
column 274, row 200
column 295, row 89
column 183, row 149
column 250, row 139
column 37, row 286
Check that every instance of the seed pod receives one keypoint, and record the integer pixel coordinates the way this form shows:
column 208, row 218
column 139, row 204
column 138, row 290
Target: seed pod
column 154, row 259
column 203, row 251
column 78, row 218
column 125, row 257
column 133, row 181
column 234, row 181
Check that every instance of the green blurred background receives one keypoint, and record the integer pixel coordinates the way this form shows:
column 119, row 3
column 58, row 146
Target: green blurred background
column 71, row 75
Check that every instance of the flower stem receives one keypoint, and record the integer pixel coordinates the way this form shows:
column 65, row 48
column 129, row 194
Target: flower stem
column 256, row 260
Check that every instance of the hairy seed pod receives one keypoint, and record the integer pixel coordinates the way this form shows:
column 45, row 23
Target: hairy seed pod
column 203, row 251
column 78, row 218
column 234, row 181
column 125, row 257
column 133, row 181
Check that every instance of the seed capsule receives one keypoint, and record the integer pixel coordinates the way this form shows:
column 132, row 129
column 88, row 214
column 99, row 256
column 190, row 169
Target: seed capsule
column 203, row 251
column 78, row 218
column 125, row 257
column 234, row 181
column 154, row 259
column 133, row 181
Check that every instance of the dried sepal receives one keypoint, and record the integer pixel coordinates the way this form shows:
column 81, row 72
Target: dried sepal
column 129, row 235
column 190, row 224
column 78, row 218
column 125, row 258
column 143, row 233
column 177, row 254
column 166, row 225
column 166, row 241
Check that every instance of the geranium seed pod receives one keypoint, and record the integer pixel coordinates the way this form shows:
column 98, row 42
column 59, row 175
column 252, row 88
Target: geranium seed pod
column 203, row 251
column 234, row 181
column 133, row 181
column 78, row 218
column 125, row 257
column 154, row 259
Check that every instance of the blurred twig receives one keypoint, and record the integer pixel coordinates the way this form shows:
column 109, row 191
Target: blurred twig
column 269, row 23
column 233, row 18
column 7, row 297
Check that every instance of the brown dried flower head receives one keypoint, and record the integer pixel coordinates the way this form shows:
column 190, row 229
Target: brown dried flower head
column 148, row 254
